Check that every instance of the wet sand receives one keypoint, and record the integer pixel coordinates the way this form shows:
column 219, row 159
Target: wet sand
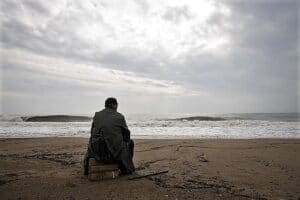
column 51, row 168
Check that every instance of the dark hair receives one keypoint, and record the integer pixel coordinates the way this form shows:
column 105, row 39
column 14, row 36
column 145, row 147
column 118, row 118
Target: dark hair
column 109, row 102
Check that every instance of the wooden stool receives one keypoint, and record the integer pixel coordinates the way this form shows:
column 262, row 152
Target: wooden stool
column 100, row 171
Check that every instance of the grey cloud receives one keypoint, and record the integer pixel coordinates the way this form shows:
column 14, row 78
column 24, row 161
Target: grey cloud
column 266, row 25
column 134, row 62
column 143, row 4
column 24, row 81
column 36, row 6
column 177, row 14
column 56, row 39
column 16, row 34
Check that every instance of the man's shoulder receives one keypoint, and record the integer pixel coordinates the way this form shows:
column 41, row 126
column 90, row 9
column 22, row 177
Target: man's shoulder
column 104, row 111
column 98, row 113
column 119, row 114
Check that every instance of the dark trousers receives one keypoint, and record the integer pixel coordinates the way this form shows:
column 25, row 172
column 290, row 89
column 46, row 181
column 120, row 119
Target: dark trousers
column 122, row 167
column 87, row 156
column 131, row 147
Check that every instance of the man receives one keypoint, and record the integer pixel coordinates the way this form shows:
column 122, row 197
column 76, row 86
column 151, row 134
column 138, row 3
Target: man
column 110, row 139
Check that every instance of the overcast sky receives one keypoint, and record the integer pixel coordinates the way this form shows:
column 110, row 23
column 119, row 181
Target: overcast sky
column 67, row 56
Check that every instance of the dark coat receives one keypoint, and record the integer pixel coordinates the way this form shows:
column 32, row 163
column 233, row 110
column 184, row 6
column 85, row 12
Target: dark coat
column 111, row 126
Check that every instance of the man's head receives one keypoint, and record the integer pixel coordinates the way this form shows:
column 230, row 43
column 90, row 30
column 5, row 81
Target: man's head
column 111, row 102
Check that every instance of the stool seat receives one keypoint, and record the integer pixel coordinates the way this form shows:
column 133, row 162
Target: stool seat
column 100, row 171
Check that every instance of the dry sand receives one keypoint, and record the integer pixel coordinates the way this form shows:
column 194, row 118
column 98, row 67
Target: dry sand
column 51, row 168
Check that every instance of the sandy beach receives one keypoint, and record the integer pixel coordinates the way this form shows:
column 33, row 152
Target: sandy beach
column 51, row 168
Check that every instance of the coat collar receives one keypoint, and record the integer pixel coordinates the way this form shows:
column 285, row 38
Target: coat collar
column 110, row 110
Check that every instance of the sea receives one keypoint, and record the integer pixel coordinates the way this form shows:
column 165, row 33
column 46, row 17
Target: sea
column 176, row 126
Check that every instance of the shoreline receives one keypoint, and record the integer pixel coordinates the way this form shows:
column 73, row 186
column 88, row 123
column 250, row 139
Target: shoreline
column 165, row 138
column 51, row 168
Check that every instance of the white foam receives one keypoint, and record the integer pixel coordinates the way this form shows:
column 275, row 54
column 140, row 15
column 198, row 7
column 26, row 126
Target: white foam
column 152, row 128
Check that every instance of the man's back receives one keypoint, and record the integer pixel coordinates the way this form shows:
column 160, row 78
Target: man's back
column 113, row 126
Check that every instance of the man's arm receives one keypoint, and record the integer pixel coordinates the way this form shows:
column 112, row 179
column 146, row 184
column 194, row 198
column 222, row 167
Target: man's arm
column 92, row 127
column 93, row 124
column 125, row 130
column 95, row 129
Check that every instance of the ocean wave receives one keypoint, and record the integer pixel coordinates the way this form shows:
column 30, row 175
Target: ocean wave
column 56, row 118
column 200, row 118
column 10, row 118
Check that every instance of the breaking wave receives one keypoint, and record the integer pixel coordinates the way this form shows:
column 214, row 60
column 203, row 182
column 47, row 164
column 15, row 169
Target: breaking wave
column 201, row 118
column 57, row 118
column 45, row 118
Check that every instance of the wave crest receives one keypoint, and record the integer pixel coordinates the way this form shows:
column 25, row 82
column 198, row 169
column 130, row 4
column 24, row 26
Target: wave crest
column 56, row 118
column 201, row 118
